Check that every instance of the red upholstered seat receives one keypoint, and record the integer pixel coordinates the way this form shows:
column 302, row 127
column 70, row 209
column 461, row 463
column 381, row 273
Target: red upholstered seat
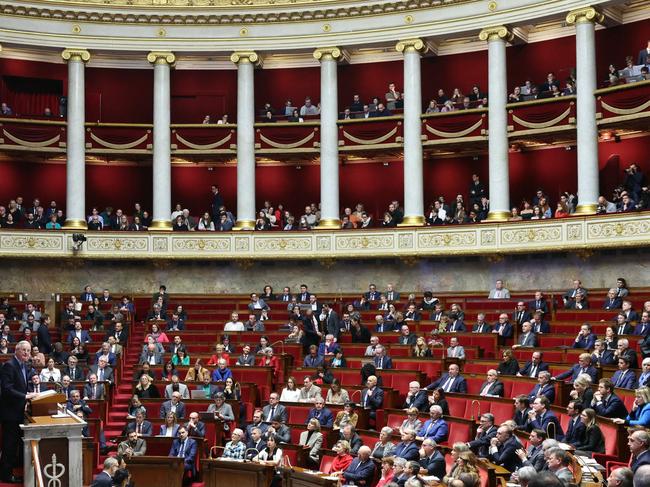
column 326, row 463
column 458, row 432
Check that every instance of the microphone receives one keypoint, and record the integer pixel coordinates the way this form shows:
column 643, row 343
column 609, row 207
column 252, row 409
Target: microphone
column 250, row 459
column 287, row 461
column 354, row 392
column 477, row 403
column 279, row 342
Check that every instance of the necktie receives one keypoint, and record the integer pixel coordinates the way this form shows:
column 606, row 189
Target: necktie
column 390, row 296
column 271, row 414
column 533, row 370
column 620, row 378
column 621, row 329
column 485, row 390
column 23, row 367
column 101, row 375
column 428, row 429
column 94, row 396
column 138, row 428
column 447, row 385
column 181, row 450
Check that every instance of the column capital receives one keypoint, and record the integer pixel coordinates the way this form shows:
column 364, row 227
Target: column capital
column 251, row 57
column 495, row 33
column 411, row 45
column 328, row 53
column 585, row 14
column 161, row 57
column 75, row 54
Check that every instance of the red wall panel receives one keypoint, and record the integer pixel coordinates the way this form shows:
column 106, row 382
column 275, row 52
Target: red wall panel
column 276, row 86
column 119, row 95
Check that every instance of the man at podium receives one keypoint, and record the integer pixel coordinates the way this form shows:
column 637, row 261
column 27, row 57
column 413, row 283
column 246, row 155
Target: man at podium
column 15, row 376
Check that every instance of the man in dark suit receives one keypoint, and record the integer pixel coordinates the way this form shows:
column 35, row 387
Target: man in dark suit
column 455, row 325
column 304, row 295
column 140, row 425
column 406, row 337
column 78, row 405
column 372, row 397
column 435, row 428
column 622, row 326
column 312, row 331
column 120, row 334
column 15, row 376
column 585, row 338
column 407, row 448
column 582, row 367
column 601, row 355
column 539, row 325
column 88, row 296
column 484, row 434
column 539, row 303
column 43, row 338
column 83, row 335
column 612, row 301
column 273, row 409
column 391, row 294
column 533, row 367
column 606, row 403
column 492, row 387
column 624, row 378
column 255, row 442
column 432, row 460
column 575, row 430
column 416, row 397
column 321, row 413
column 628, row 312
column 623, row 350
column 74, row 370
column 521, row 314
column 503, row 328
column 286, row 296
column 184, row 447
column 383, row 326
column 372, row 294
column 362, row 469
column 503, row 448
column 639, row 443
column 481, row 325
column 451, row 381
column 381, row 360
column 522, row 406
column 643, row 327
column 331, row 320
column 644, row 56
column 105, row 477
column 544, row 387
column 540, row 417
column 102, row 370
column 174, row 405
column 194, row 426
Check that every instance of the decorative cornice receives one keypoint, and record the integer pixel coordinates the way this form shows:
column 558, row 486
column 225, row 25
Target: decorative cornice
column 411, row 45
column 161, row 57
column 495, row 33
column 245, row 57
column 585, row 14
column 75, row 54
column 328, row 54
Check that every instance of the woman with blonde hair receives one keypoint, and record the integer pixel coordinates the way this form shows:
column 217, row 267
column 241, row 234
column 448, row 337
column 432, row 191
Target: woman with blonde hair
column 346, row 416
column 582, row 391
column 145, row 389
column 640, row 414
column 342, row 460
column 593, row 440
column 411, row 421
column 420, row 348
column 465, row 463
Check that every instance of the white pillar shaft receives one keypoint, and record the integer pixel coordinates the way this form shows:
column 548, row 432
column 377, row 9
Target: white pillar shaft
column 162, row 184
column 245, row 145
column 413, row 177
column 588, row 187
column 498, row 128
column 329, row 141
column 76, row 144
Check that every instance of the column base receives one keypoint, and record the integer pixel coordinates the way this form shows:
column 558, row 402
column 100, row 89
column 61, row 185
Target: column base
column 586, row 209
column 160, row 225
column 412, row 221
column 75, row 225
column 498, row 216
column 244, row 225
column 328, row 224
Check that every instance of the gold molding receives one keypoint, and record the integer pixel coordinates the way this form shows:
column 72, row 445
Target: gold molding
column 161, row 57
column 412, row 221
column 244, row 225
column 328, row 54
column 495, row 33
column 75, row 225
column 411, row 45
column 627, row 86
column 498, row 216
column 160, row 225
column 245, row 57
column 75, row 54
column 586, row 209
column 328, row 224
column 584, row 14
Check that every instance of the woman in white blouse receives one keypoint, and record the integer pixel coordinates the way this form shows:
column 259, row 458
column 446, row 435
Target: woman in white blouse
column 50, row 373
column 272, row 455
column 290, row 393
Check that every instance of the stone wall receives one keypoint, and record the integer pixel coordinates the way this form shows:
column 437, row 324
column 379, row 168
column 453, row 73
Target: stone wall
column 40, row 277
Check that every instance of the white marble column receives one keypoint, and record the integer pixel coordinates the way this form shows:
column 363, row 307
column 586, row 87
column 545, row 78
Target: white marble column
column 499, row 181
column 75, row 208
column 245, row 62
column 162, row 166
column 413, row 175
column 587, row 131
column 329, row 137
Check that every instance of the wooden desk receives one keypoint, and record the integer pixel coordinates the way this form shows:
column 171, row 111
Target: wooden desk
column 159, row 471
column 300, row 477
column 217, row 473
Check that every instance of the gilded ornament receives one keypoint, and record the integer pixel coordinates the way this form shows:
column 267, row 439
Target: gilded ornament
column 496, row 33
column 585, row 14
column 76, row 29
column 327, row 53
column 492, row 6
column 327, row 28
column 161, row 32
column 161, row 57
column 75, row 54
column 244, row 57
column 411, row 45
column 243, row 32
column 408, row 19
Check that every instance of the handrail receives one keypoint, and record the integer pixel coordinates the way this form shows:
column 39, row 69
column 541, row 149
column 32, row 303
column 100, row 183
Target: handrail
column 541, row 101
column 33, row 121
column 36, row 461
column 627, row 86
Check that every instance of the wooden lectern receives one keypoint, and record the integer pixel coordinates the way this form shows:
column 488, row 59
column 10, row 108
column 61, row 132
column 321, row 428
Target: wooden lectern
column 53, row 444
column 301, row 477
column 217, row 473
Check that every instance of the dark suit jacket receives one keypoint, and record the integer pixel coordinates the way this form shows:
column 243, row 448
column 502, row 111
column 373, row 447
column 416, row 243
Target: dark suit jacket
column 638, row 329
column 612, row 407
column 376, row 400
column 543, row 327
column 407, row 452
column 506, row 456
column 575, row 432
column 575, row 371
column 484, row 328
column 643, row 459
column 534, row 305
column 607, row 358
column 615, row 303
column 361, row 473
column 14, row 389
column 410, row 339
column 78, row 373
column 481, row 444
column 496, row 389
column 434, row 465
column 456, row 326
column 85, row 337
column 279, row 410
column 166, row 407
column 386, row 362
column 627, row 382
column 102, row 480
column 326, row 418
column 44, row 340
column 519, row 317
column 108, row 373
column 420, row 401
column 189, row 454
column 387, row 326
column 507, row 329
column 459, row 385
column 585, row 342
column 147, row 429
column 547, row 390
column 543, row 423
column 99, row 392
column 525, row 371
column 199, row 430
column 332, row 324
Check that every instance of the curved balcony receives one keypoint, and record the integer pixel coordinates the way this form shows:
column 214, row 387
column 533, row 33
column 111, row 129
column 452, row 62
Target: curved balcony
column 622, row 107
column 486, row 239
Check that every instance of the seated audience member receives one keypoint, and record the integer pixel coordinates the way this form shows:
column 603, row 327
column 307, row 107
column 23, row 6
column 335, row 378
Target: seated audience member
column 451, row 381
column 522, row 407
column 623, row 350
column 349, row 434
column 141, row 426
column 639, row 443
column 585, row 338
column 484, row 434
column 575, row 431
column 593, row 440
column 222, row 410
column 312, row 440
column 411, row 422
column 372, row 397
column 612, row 301
column 416, row 397
column 492, row 387
column 235, row 448
column 527, row 337
column 381, row 360
column 346, row 416
column 503, row 328
column 186, row 448
column 503, row 449
column 582, row 367
column 539, row 325
column 509, row 365
column 132, row 446
column 387, row 471
column 534, row 366
column 481, row 325
column 582, row 392
column 384, row 447
column 578, row 303
column 321, row 413
column 533, row 457
column 435, row 428
column 407, row 448
column 173, row 405
column 313, row 359
column 623, row 326
column 195, row 427
column 170, row 427
column 455, row 350
column 222, row 372
column 624, row 378
column 606, row 403
column 93, row 390
column 342, row 460
column 601, row 355
column 643, row 326
column 558, row 463
column 540, row 416
column 499, row 292
column 309, row 392
column 577, row 288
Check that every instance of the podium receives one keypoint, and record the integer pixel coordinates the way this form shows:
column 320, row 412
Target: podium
column 300, row 477
column 236, row 473
column 52, row 444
